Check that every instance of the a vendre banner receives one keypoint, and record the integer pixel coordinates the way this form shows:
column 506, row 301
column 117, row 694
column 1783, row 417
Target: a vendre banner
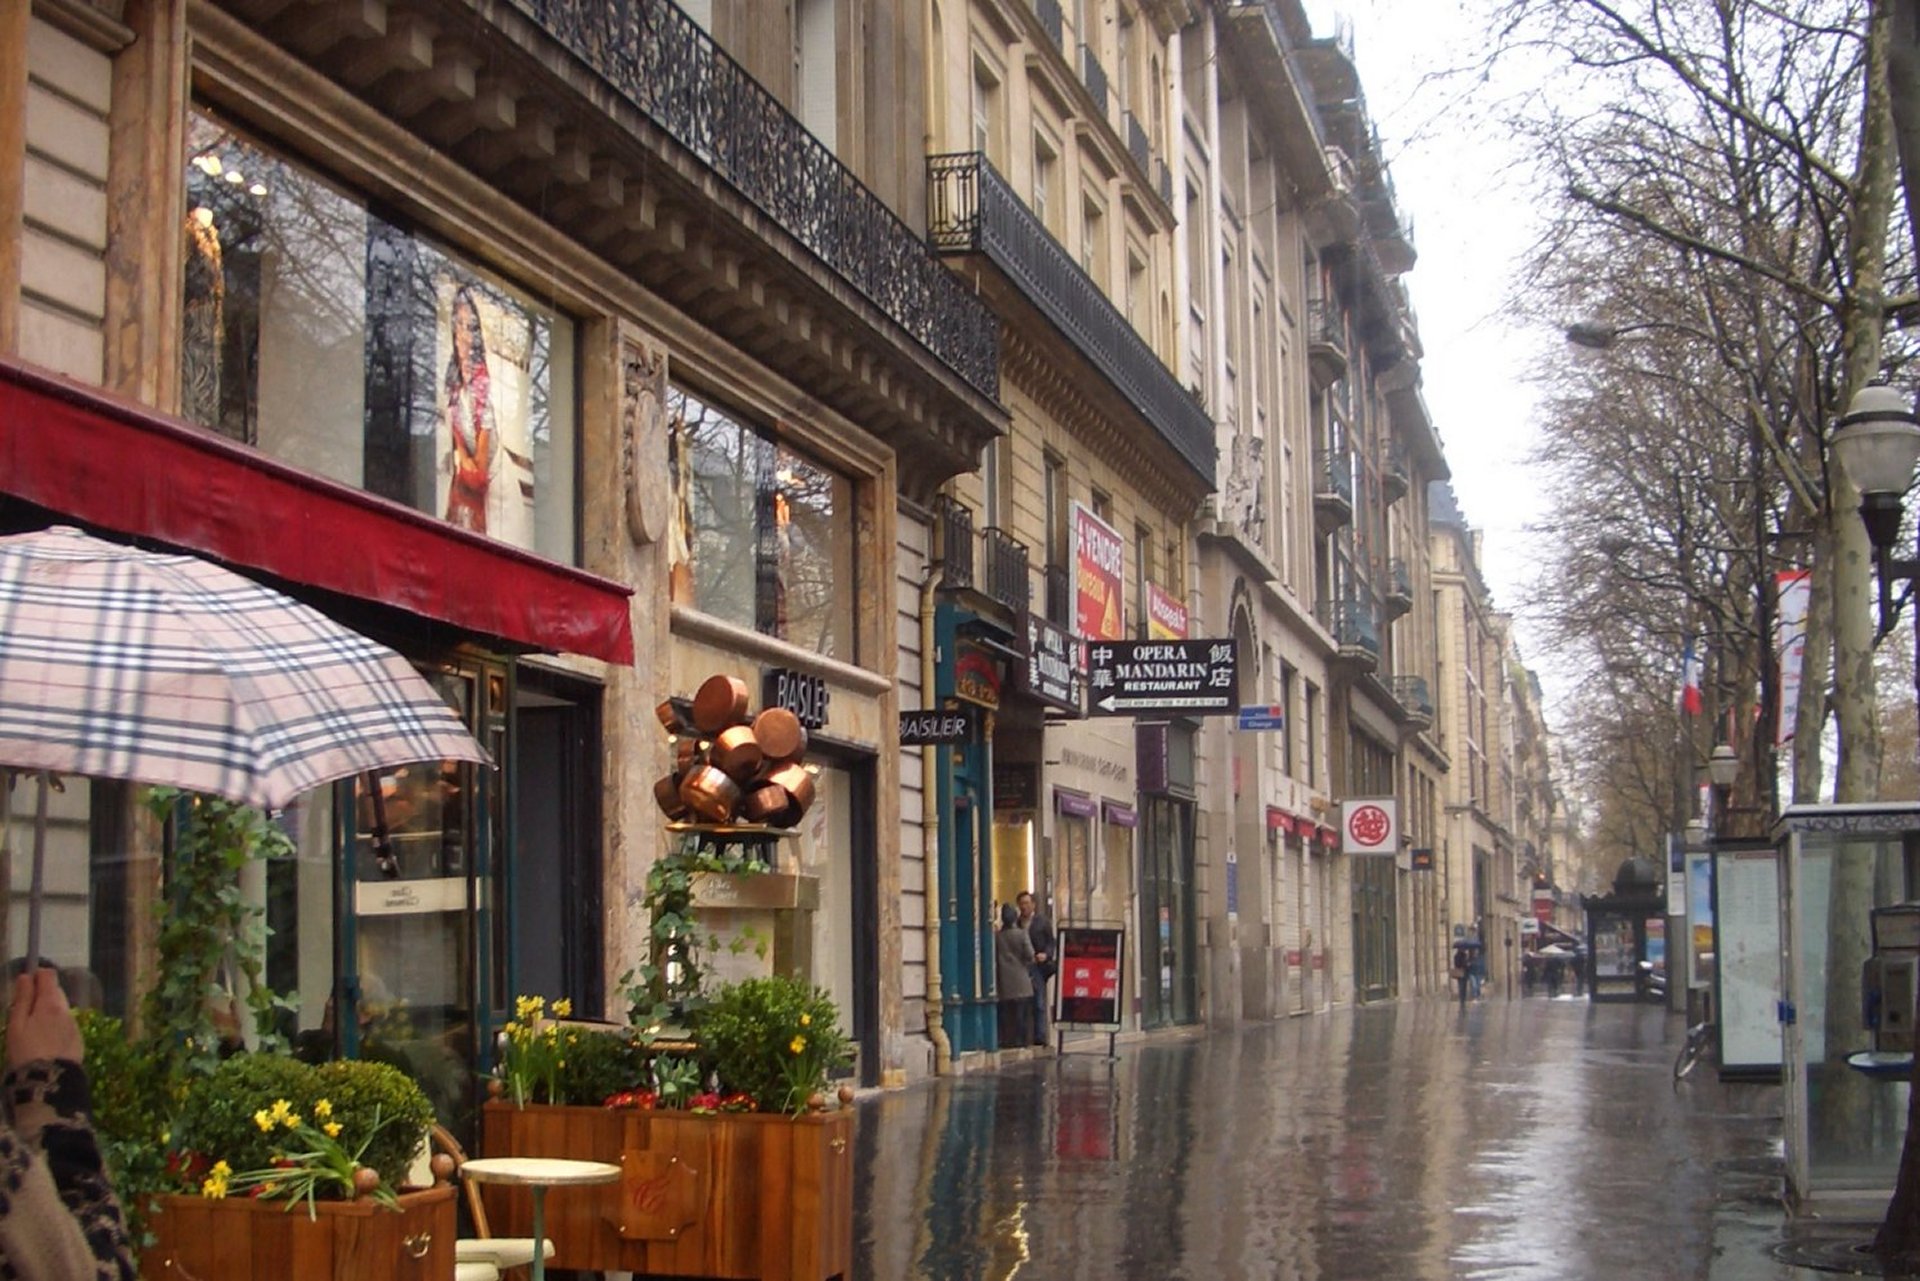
column 1166, row 616
column 1099, row 598
column 1795, row 587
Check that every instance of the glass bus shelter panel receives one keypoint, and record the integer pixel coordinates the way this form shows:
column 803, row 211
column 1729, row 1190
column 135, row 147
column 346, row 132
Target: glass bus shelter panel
column 1848, row 1124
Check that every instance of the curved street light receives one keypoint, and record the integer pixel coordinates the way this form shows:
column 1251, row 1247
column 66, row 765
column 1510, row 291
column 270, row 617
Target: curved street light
column 1877, row 443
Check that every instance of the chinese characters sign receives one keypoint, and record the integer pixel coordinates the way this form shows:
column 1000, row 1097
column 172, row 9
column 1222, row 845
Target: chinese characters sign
column 1370, row 827
column 1185, row 678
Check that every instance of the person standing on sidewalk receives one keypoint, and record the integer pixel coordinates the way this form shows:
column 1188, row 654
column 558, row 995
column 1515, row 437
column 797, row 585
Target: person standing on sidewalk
column 59, row 1219
column 1013, row 967
column 1045, row 963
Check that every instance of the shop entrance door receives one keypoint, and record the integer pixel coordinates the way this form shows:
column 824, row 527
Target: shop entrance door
column 419, row 959
column 1166, row 913
column 553, row 927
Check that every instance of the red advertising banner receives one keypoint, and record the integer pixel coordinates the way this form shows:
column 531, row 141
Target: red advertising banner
column 1088, row 992
column 1166, row 615
column 1100, row 600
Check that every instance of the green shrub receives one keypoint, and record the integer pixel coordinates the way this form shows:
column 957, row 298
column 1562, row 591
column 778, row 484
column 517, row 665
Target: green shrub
column 134, row 1100
column 595, row 1065
column 216, row 1118
column 774, row 1039
column 357, row 1089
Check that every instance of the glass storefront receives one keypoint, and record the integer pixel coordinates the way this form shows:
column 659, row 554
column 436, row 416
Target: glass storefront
column 1166, row 913
column 356, row 349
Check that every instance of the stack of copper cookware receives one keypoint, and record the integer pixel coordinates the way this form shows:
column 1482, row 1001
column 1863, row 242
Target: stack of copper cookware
column 730, row 767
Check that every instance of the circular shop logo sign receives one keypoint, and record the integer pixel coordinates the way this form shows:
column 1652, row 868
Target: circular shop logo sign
column 1369, row 825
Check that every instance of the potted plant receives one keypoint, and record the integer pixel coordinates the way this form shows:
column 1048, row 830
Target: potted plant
column 295, row 1171
column 735, row 1161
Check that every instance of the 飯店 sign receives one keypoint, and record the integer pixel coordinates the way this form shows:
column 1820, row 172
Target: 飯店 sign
column 1370, row 827
column 1172, row 678
column 803, row 695
column 1053, row 665
column 943, row 725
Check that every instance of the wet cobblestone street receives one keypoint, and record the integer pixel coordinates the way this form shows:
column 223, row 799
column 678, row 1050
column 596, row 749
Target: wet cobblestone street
column 1523, row 1138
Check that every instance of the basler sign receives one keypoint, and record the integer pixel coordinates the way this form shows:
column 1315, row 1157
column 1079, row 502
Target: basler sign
column 1169, row 678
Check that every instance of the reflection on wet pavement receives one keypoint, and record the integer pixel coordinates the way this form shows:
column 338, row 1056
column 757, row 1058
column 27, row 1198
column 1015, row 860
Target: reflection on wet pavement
column 1513, row 1139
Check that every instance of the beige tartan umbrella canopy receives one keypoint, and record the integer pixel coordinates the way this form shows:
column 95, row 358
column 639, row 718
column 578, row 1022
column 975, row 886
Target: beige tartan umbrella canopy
column 158, row 667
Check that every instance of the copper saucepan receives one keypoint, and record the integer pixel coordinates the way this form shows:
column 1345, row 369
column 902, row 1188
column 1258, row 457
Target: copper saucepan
column 780, row 734
column 720, row 702
column 709, row 793
column 737, row 751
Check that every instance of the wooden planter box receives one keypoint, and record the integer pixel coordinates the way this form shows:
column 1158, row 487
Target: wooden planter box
column 203, row 1240
column 739, row 1196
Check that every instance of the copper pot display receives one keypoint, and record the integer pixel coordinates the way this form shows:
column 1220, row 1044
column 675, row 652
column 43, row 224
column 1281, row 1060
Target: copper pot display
column 721, row 702
column 737, row 752
column 709, row 793
column 780, row 734
column 730, row 767
column 667, row 792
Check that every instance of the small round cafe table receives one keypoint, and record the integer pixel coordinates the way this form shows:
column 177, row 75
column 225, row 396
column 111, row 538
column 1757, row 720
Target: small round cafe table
column 537, row 1174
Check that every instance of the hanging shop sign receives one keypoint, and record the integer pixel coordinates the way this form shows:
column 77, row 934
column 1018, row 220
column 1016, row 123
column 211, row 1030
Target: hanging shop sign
column 805, row 695
column 1168, row 678
column 1052, row 672
column 976, row 676
column 1422, row 860
column 1370, row 826
column 1099, row 597
column 944, row 725
column 1089, row 992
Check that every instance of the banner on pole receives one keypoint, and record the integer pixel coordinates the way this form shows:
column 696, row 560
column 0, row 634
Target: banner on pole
column 1795, row 591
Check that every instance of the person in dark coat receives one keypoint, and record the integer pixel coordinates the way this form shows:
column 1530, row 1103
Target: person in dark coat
column 1462, row 970
column 1046, row 963
column 1013, row 967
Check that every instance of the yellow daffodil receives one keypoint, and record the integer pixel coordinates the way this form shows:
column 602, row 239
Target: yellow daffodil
column 214, row 1186
column 798, row 1044
column 323, row 1109
column 529, row 1007
column 332, row 1128
column 563, row 1008
column 264, row 1121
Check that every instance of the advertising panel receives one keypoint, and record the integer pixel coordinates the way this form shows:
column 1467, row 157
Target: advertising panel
column 1088, row 993
column 1099, row 596
column 1166, row 615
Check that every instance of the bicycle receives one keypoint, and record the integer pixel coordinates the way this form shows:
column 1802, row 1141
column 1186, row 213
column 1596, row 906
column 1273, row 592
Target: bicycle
column 1698, row 1045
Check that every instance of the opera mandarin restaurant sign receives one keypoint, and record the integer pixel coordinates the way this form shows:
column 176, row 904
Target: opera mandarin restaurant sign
column 1099, row 599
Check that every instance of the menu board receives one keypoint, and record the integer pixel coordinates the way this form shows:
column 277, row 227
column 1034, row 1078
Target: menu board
column 1747, row 918
column 1088, row 993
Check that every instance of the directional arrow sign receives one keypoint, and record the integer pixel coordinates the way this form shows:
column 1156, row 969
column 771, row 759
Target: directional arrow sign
column 1145, row 678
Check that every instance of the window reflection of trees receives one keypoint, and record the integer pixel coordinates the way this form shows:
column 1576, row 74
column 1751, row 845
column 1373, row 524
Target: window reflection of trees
column 760, row 529
column 277, row 255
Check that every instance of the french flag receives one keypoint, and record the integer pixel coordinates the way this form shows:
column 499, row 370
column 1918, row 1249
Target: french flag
column 1690, row 666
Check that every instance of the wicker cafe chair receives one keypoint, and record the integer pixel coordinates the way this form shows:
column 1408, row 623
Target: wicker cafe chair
column 485, row 1250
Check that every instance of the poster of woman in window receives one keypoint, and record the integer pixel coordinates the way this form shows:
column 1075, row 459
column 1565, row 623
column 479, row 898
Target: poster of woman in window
column 484, row 352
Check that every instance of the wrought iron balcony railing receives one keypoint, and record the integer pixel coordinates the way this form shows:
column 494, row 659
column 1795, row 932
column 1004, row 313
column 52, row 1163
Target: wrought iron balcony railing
column 1006, row 569
column 1332, row 488
column 971, row 209
column 1411, row 693
column 1326, row 341
column 1095, row 77
column 1137, row 144
column 1163, row 181
column 953, row 522
column 1352, row 623
column 660, row 60
column 1399, row 588
column 1059, row 596
column 1395, row 479
column 1051, row 22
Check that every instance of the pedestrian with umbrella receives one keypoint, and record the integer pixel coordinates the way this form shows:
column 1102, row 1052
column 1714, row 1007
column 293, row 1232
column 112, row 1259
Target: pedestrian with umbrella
column 165, row 669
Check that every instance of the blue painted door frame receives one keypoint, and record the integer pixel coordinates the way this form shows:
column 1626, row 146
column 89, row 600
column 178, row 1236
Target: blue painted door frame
column 964, row 794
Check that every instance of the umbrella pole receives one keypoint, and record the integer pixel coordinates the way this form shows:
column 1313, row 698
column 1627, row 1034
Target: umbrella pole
column 37, row 887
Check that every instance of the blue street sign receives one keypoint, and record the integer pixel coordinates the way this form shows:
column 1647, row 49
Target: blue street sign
column 1265, row 716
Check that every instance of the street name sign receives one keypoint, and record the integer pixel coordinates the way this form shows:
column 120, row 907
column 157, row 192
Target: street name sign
column 1264, row 716
column 1164, row 678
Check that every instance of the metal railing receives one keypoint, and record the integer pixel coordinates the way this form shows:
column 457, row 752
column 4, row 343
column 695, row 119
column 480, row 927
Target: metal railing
column 1394, row 477
column 1333, row 475
column 1163, row 180
column 971, row 209
column 1399, row 579
column 1411, row 693
column 1006, row 569
column 1137, row 144
column 1323, row 323
column 660, row 60
column 953, row 520
column 1051, row 22
column 1352, row 623
column 1094, row 76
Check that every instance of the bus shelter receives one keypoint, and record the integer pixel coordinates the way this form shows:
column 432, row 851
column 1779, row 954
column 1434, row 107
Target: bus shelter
column 1847, row 998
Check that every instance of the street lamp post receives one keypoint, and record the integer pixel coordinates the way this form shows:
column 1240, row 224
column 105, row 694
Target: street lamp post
column 1723, row 767
column 1877, row 443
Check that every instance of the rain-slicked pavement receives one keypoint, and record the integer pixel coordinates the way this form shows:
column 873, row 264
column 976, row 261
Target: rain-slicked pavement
column 1516, row 1138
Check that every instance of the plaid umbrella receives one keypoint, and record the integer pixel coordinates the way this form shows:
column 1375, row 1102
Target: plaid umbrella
column 157, row 667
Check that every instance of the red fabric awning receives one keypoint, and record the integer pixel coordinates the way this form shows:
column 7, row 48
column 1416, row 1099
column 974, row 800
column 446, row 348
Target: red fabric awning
column 116, row 465
column 1278, row 820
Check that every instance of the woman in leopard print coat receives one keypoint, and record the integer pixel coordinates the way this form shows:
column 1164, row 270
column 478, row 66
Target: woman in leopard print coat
column 59, row 1220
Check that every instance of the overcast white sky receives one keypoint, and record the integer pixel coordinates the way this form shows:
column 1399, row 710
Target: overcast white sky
column 1471, row 221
